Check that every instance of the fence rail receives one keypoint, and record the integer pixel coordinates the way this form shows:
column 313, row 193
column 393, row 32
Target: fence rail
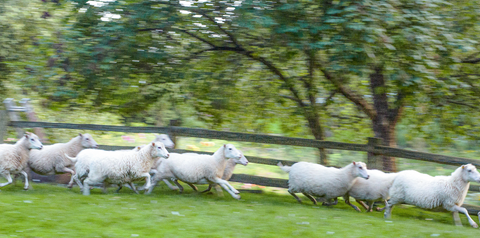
column 265, row 139
column 373, row 147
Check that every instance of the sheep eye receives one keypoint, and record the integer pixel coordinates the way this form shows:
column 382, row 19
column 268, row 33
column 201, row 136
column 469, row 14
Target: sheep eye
column 87, row 139
column 230, row 148
column 32, row 139
column 360, row 168
column 469, row 170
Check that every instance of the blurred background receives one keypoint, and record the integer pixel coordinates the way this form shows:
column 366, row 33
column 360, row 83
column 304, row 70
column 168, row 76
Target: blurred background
column 338, row 70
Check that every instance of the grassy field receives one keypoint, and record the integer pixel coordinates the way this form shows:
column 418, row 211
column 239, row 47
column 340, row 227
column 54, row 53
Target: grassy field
column 55, row 211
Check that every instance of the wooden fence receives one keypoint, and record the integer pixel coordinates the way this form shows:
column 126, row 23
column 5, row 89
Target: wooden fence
column 373, row 148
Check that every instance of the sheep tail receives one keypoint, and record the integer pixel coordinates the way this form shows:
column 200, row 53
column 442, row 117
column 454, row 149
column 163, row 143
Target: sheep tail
column 284, row 167
column 73, row 159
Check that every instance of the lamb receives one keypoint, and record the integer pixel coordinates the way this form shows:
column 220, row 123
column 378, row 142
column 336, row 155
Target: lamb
column 13, row 158
column 425, row 191
column 326, row 182
column 123, row 166
column 227, row 174
column 52, row 159
column 371, row 190
column 195, row 168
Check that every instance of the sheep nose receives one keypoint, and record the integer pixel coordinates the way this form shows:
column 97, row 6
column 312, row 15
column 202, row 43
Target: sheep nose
column 41, row 147
column 168, row 155
column 368, row 176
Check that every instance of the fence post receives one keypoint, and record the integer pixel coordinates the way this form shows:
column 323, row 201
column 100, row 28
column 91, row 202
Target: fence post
column 172, row 135
column 3, row 125
column 10, row 105
column 373, row 160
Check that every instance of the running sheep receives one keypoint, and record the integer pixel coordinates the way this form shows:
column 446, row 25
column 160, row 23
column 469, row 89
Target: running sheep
column 13, row 158
column 372, row 189
column 124, row 166
column 227, row 174
column 52, row 158
column 199, row 169
column 425, row 191
column 325, row 182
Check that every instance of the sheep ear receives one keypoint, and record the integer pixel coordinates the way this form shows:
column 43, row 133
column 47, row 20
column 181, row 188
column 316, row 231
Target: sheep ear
column 26, row 135
column 138, row 147
column 354, row 163
column 224, row 145
column 463, row 166
column 153, row 143
column 80, row 134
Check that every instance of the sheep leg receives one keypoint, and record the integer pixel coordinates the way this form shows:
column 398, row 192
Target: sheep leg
column 362, row 204
column 227, row 187
column 170, row 185
column 132, row 186
column 388, row 210
column 180, row 187
column 230, row 187
column 193, row 187
column 147, row 179
column 335, row 202
column 148, row 191
column 456, row 219
column 26, row 179
column 347, row 201
column 310, row 197
column 208, row 189
column 295, row 196
column 383, row 208
column 370, row 206
column 8, row 177
column 464, row 211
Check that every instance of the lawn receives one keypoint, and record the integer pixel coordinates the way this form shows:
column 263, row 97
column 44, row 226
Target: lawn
column 55, row 211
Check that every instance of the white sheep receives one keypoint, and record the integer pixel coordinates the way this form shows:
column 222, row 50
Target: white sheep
column 52, row 160
column 227, row 174
column 13, row 158
column 82, row 163
column 199, row 169
column 372, row 189
column 325, row 182
column 425, row 191
column 125, row 166
column 165, row 139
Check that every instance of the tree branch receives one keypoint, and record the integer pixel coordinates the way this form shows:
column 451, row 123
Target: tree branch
column 358, row 100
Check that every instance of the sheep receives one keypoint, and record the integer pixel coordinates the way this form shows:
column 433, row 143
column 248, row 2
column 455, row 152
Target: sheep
column 195, row 168
column 371, row 190
column 227, row 174
column 13, row 158
column 165, row 139
column 425, row 191
column 82, row 162
column 326, row 182
column 121, row 167
column 52, row 159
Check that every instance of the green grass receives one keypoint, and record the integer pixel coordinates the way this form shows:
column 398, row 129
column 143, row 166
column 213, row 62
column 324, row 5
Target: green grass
column 54, row 211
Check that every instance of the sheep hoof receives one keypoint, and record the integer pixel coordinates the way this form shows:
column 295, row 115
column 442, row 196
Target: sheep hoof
column 25, row 188
column 474, row 225
column 237, row 197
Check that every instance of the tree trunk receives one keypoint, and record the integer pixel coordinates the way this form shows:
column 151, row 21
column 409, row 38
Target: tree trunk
column 314, row 123
column 383, row 123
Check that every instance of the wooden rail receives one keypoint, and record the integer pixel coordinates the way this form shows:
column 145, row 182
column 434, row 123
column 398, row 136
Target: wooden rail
column 200, row 133
column 266, row 139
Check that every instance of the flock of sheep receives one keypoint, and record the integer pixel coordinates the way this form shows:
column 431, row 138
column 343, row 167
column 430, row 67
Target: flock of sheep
column 91, row 167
